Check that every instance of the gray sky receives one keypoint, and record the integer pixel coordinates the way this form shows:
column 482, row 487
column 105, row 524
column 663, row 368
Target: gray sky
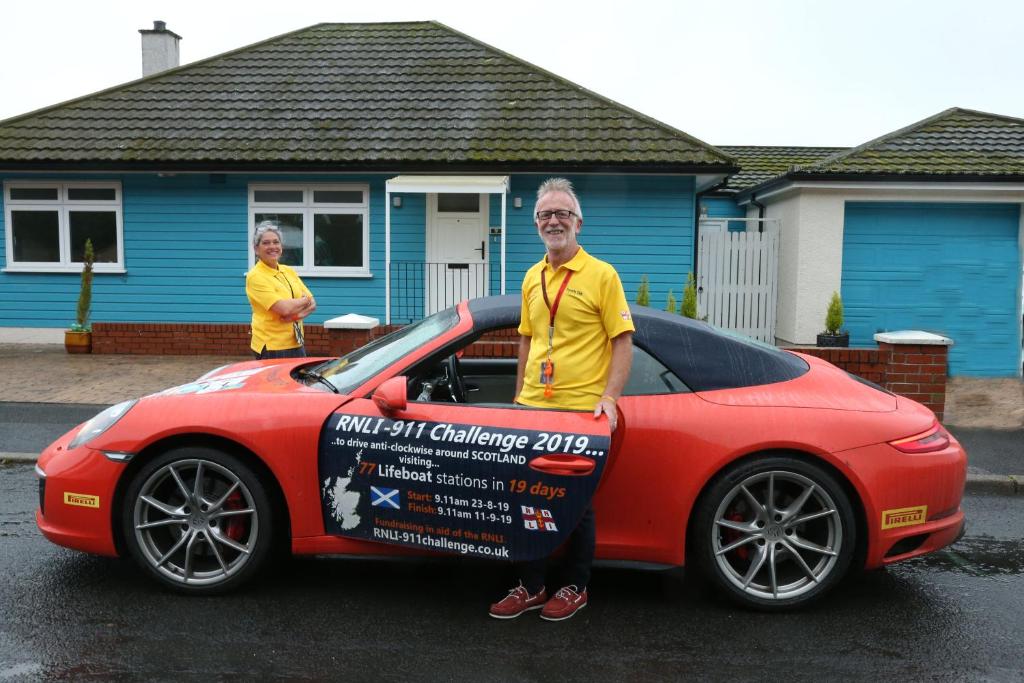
column 763, row 72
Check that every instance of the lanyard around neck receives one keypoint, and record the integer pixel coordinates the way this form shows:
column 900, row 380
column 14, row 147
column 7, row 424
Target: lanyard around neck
column 548, row 367
column 286, row 281
column 553, row 309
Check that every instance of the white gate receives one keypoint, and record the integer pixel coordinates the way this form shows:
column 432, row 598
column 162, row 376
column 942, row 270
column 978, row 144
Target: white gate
column 736, row 281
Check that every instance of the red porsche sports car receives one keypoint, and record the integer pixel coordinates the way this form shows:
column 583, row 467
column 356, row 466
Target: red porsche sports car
column 772, row 472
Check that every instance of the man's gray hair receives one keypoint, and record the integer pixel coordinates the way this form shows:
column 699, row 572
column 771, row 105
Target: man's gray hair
column 559, row 185
column 264, row 227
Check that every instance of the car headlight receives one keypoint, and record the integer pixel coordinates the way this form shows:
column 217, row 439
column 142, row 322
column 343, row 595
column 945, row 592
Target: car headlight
column 101, row 423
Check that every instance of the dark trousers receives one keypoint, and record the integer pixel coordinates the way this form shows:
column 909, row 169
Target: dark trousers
column 297, row 352
column 579, row 555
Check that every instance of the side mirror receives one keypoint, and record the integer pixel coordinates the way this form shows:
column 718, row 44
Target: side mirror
column 390, row 396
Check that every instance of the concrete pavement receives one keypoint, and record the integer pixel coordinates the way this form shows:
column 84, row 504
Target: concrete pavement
column 45, row 373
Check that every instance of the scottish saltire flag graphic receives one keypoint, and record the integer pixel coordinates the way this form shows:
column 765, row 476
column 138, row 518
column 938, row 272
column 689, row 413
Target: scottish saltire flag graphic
column 384, row 498
column 537, row 519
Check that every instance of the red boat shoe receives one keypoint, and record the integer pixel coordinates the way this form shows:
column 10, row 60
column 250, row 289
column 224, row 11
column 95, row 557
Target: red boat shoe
column 565, row 604
column 518, row 601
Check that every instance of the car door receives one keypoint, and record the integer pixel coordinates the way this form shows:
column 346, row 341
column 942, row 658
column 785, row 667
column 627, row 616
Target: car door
column 504, row 482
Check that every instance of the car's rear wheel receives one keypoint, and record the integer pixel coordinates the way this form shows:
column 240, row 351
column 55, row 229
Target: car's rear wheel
column 775, row 533
column 199, row 520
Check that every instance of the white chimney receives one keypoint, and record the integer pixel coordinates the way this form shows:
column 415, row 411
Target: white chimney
column 159, row 48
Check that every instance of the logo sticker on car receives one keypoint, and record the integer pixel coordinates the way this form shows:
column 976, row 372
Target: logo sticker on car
column 83, row 500
column 898, row 517
column 231, row 380
column 538, row 519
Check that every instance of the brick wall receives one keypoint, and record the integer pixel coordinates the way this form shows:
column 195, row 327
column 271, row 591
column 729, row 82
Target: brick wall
column 218, row 340
column 170, row 339
column 915, row 371
column 233, row 340
column 497, row 344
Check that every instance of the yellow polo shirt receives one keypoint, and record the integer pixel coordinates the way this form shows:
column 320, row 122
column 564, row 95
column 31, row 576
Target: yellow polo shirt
column 592, row 311
column 265, row 287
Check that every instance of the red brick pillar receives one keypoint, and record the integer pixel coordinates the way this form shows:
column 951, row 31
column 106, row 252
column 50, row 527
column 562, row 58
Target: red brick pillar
column 916, row 365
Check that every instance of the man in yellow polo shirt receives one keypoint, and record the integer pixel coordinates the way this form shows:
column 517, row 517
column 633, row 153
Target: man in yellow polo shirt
column 575, row 352
column 279, row 299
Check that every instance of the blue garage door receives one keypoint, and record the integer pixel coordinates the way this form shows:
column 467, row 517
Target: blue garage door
column 952, row 269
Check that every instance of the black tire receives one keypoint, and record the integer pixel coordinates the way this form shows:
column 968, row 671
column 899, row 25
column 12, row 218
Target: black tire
column 781, row 556
column 210, row 543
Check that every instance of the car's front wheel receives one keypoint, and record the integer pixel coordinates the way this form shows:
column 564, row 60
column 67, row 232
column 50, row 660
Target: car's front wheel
column 774, row 533
column 198, row 519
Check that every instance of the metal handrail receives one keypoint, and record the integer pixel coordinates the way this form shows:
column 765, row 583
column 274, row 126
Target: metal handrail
column 419, row 288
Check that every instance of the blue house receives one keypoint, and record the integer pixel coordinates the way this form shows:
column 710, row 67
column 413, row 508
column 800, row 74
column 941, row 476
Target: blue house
column 401, row 160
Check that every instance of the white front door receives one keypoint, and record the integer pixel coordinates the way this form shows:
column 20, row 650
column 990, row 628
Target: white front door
column 457, row 249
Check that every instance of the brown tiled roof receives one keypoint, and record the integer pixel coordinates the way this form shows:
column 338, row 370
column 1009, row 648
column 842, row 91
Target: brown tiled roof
column 758, row 164
column 954, row 142
column 357, row 95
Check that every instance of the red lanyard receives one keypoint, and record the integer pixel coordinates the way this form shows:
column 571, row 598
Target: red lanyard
column 558, row 297
column 548, row 367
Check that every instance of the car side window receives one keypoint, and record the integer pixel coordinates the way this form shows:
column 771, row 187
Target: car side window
column 650, row 376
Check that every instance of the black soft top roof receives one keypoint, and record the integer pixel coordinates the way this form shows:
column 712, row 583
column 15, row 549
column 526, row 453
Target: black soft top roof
column 703, row 357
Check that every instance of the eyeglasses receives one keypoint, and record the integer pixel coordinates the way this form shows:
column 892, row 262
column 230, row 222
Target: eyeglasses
column 561, row 214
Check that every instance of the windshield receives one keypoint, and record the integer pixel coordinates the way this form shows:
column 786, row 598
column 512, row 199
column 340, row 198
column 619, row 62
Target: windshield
column 348, row 372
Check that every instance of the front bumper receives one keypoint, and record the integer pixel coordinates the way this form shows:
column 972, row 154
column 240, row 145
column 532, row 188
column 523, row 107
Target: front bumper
column 76, row 496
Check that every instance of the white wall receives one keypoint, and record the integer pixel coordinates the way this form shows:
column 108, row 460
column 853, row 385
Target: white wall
column 810, row 261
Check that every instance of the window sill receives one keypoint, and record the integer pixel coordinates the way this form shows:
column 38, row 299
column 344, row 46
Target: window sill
column 338, row 276
column 75, row 270
column 360, row 275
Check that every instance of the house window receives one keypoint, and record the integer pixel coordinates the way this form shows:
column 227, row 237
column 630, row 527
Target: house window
column 46, row 224
column 325, row 228
column 458, row 203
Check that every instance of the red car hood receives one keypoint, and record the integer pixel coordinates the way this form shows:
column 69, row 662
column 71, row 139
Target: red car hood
column 247, row 402
column 823, row 386
column 267, row 376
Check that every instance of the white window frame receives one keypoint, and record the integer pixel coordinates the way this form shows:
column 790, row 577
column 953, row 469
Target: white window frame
column 63, row 206
column 307, row 208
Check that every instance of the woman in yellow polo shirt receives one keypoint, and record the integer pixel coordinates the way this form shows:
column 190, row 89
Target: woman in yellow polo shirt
column 278, row 297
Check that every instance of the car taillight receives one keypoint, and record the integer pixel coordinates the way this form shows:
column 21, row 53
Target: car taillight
column 934, row 439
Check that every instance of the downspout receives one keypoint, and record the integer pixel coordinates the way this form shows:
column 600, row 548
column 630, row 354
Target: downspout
column 696, row 222
column 504, row 221
column 760, row 212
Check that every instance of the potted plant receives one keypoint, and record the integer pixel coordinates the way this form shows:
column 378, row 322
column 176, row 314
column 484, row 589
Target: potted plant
column 79, row 338
column 643, row 295
column 689, row 305
column 833, row 323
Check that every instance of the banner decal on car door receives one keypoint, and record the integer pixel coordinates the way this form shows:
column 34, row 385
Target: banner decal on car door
column 482, row 490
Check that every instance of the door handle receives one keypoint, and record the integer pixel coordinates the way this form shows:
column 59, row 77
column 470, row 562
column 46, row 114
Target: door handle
column 482, row 249
column 568, row 465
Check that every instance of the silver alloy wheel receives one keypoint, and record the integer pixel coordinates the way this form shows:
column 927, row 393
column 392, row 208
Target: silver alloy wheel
column 195, row 522
column 777, row 535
